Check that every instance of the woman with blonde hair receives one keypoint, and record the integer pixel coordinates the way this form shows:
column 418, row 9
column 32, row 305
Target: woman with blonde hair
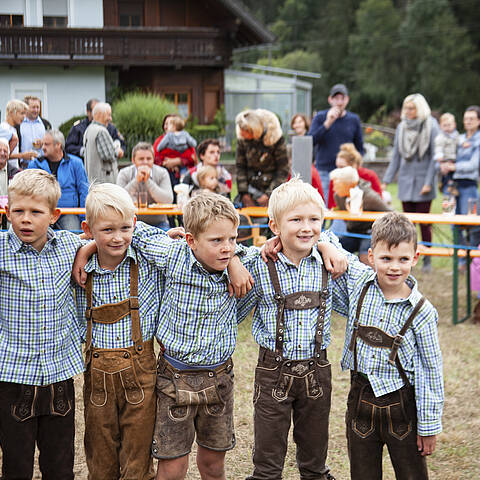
column 413, row 159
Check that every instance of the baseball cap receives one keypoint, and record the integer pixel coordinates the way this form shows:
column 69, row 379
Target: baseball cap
column 338, row 88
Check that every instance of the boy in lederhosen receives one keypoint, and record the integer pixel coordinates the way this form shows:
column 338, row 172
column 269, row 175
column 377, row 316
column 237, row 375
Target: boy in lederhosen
column 40, row 349
column 393, row 352
column 118, row 310
column 291, row 324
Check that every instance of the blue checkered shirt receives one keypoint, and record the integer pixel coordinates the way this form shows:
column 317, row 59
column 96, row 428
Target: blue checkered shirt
column 198, row 318
column 419, row 353
column 114, row 286
column 39, row 333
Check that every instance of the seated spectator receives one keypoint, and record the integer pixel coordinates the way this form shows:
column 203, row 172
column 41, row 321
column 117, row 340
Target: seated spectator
column 144, row 176
column 207, row 178
column 209, row 154
column 74, row 142
column 15, row 114
column 70, row 174
column 350, row 156
column 344, row 179
column 32, row 130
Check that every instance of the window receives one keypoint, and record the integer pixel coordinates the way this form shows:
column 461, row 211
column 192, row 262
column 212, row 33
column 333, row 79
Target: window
column 181, row 100
column 130, row 14
column 11, row 20
column 58, row 22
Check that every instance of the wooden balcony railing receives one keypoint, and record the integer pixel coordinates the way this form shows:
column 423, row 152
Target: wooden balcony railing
column 114, row 46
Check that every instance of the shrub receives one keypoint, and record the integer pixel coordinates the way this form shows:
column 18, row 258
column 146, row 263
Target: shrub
column 378, row 139
column 66, row 126
column 201, row 132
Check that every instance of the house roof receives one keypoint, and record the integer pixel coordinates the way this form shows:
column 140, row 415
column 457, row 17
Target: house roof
column 250, row 30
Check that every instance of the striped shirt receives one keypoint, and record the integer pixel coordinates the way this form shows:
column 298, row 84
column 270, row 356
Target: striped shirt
column 419, row 353
column 39, row 333
column 113, row 287
column 198, row 318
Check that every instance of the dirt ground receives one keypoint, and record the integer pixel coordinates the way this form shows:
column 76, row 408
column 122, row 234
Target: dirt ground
column 458, row 448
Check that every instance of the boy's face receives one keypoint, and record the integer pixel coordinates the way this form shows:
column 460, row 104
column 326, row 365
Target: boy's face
column 30, row 217
column 448, row 125
column 299, row 230
column 214, row 247
column 393, row 265
column 112, row 234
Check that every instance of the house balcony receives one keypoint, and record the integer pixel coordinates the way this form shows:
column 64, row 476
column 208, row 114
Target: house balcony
column 124, row 47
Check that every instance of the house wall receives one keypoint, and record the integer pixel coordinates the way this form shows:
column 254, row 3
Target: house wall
column 64, row 92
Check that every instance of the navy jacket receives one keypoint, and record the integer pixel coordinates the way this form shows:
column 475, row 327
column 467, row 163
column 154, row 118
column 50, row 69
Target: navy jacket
column 71, row 176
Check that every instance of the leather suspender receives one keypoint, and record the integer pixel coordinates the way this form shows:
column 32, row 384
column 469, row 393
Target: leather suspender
column 298, row 301
column 376, row 337
column 114, row 312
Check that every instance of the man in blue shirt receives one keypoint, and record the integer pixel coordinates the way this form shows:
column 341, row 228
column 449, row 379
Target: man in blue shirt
column 70, row 174
column 330, row 128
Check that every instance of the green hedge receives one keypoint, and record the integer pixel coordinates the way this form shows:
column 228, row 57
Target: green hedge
column 66, row 126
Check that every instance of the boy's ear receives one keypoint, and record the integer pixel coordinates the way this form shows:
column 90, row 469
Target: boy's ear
column 190, row 240
column 86, row 230
column 7, row 213
column 370, row 257
column 134, row 221
column 415, row 258
column 55, row 216
column 273, row 226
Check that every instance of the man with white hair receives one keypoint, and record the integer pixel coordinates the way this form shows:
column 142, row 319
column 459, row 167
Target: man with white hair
column 70, row 174
column 100, row 149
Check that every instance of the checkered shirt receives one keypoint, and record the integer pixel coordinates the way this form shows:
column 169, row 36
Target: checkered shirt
column 198, row 318
column 39, row 333
column 105, row 146
column 419, row 353
column 113, row 287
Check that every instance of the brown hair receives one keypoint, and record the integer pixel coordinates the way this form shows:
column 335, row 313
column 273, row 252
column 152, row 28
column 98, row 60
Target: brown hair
column 204, row 209
column 303, row 117
column 350, row 154
column 27, row 99
column 178, row 122
column 202, row 148
column 393, row 228
column 142, row 146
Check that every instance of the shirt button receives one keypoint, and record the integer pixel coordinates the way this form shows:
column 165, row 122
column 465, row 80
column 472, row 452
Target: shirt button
column 299, row 323
column 373, row 356
column 114, row 297
column 300, row 346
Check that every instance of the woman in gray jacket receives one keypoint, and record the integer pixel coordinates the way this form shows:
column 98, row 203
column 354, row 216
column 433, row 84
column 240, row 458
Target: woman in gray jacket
column 413, row 159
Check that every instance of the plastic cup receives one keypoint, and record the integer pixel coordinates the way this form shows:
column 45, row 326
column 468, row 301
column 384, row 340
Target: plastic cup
column 142, row 199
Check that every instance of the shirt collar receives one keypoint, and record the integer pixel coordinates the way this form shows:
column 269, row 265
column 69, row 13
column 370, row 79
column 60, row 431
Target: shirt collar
column 27, row 120
column 16, row 244
column 414, row 296
column 314, row 256
column 94, row 266
column 195, row 264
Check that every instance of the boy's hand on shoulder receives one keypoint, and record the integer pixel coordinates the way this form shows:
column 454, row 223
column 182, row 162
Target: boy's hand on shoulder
column 271, row 249
column 335, row 261
column 241, row 282
column 426, row 445
column 81, row 258
column 176, row 233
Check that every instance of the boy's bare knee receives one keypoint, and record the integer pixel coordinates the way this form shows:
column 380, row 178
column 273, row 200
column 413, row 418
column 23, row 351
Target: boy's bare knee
column 175, row 469
column 211, row 464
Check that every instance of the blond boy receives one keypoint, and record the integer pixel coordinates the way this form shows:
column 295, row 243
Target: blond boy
column 40, row 348
column 118, row 310
column 446, row 151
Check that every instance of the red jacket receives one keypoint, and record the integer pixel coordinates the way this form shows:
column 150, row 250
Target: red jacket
column 188, row 157
column 316, row 182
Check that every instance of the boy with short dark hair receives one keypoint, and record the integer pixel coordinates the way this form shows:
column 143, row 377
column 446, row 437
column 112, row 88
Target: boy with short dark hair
column 392, row 349
column 40, row 348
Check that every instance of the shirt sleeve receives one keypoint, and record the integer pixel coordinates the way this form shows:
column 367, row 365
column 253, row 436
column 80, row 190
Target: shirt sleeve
column 81, row 307
column 429, row 391
column 161, row 188
column 105, row 147
column 246, row 304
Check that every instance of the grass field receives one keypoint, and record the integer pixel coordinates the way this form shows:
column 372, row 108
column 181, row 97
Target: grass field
column 458, row 448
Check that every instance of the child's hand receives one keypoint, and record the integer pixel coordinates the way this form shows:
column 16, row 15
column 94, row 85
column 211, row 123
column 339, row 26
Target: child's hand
column 270, row 249
column 426, row 445
column 241, row 282
column 176, row 233
column 81, row 258
column 335, row 261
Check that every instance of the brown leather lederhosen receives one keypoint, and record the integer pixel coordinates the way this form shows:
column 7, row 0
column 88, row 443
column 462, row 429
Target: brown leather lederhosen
column 389, row 419
column 119, row 393
column 298, row 389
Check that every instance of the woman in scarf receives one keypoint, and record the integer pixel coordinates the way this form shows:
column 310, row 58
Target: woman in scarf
column 413, row 159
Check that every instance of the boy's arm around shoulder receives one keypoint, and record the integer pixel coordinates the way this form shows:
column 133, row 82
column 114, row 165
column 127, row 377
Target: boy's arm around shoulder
column 247, row 303
column 241, row 282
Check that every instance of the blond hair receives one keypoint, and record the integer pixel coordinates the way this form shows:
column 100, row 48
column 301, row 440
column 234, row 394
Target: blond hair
column 423, row 109
column 447, row 116
column 177, row 122
column 291, row 194
column 204, row 171
column 350, row 154
column 393, row 228
column 345, row 175
column 206, row 207
column 14, row 106
column 34, row 182
column 249, row 121
column 103, row 197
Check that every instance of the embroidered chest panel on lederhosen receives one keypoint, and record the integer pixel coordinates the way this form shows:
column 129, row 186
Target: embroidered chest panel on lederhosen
column 299, row 301
column 378, row 338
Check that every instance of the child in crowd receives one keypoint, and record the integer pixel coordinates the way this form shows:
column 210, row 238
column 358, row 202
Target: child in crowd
column 209, row 154
column 393, row 352
column 120, row 304
column 446, row 151
column 291, row 324
column 40, row 341
column 207, row 178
